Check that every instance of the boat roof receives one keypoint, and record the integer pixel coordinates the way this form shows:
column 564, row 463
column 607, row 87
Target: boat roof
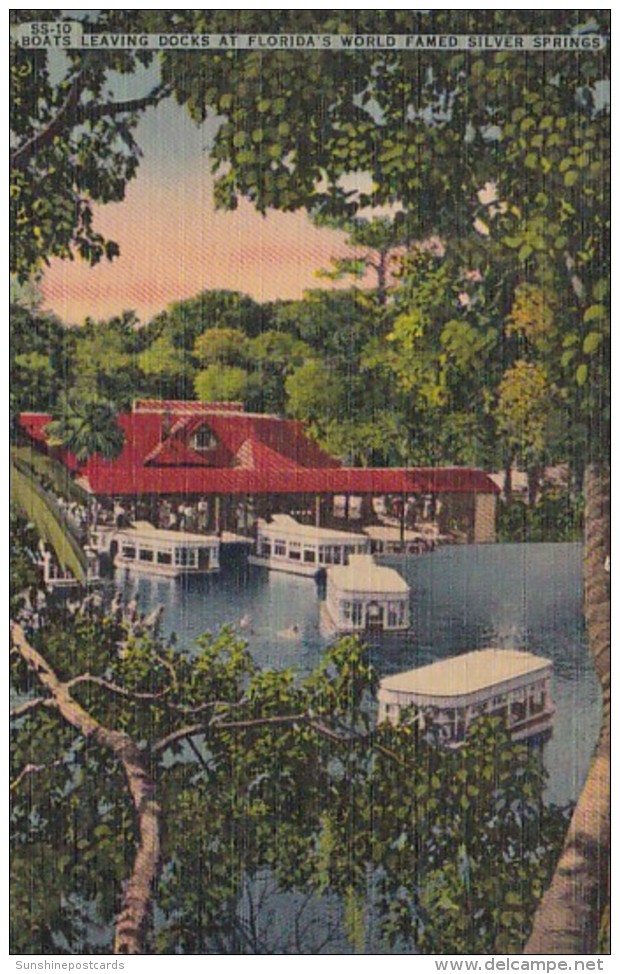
column 387, row 532
column 286, row 525
column 146, row 530
column 362, row 574
column 466, row 674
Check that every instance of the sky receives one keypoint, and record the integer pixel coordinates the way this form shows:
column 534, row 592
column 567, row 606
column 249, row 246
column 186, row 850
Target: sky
column 174, row 243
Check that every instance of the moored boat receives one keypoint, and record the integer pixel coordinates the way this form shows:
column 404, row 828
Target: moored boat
column 363, row 597
column 283, row 544
column 452, row 693
column 145, row 548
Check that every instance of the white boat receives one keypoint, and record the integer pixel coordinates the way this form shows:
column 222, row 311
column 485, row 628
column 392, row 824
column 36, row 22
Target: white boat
column 452, row 693
column 388, row 540
column 283, row 544
column 145, row 548
column 363, row 597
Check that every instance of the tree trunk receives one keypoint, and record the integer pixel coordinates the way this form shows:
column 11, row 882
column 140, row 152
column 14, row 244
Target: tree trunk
column 136, row 906
column 534, row 474
column 569, row 916
column 508, row 482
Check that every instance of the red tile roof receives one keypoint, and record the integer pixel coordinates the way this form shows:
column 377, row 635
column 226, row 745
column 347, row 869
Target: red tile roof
column 254, row 454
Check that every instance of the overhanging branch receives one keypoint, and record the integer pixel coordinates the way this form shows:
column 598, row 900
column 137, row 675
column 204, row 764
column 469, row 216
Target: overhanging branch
column 27, row 707
column 72, row 113
column 137, row 896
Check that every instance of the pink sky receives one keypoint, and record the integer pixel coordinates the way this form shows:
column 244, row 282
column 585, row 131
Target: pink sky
column 174, row 244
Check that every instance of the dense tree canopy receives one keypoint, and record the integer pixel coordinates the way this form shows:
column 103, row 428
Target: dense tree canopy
column 503, row 156
column 242, row 774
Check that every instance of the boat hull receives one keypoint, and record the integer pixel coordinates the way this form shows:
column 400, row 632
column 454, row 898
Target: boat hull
column 161, row 571
column 278, row 565
column 330, row 627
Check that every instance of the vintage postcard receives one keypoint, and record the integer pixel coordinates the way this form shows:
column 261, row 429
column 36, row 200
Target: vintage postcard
column 310, row 377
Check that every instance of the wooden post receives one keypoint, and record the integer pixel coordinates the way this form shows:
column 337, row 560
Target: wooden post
column 317, row 511
column 402, row 518
column 217, row 514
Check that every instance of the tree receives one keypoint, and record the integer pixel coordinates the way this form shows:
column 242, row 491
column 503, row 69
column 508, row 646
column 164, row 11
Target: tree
column 376, row 242
column 524, row 411
column 85, row 425
column 73, row 145
column 168, row 371
column 223, row 383
column 314, row 392
column 38, row 358
column 439, row 357
column 431, row 130
column 39, row 506
column 104, row 359
column 274, row 355
column 222, row 346
column 217, row 773
column 183, row 322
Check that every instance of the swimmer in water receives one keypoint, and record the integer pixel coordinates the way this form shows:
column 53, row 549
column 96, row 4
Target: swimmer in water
column 292, row 632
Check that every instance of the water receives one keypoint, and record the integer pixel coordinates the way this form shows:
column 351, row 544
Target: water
column 464, row 597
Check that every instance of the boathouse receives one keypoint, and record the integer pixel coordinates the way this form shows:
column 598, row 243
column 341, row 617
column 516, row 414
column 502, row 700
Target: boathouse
column 212, row 467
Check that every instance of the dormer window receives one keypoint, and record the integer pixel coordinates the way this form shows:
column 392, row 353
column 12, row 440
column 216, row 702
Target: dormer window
column 203, row 439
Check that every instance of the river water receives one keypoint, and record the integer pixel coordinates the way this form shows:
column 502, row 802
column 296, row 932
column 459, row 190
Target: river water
column 463, row 597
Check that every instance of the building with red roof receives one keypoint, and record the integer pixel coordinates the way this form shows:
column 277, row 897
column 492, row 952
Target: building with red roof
column 228, row 459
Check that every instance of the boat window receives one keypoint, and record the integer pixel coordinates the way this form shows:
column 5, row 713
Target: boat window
column 294, row 550
column 128, row 551
column 164, row 558
column 309, row 554
column 145, row 554
column 264, row 549
column 185, row 557
column 397, row 613
column 279, row 548
column 357, row 613
column 338, row 556
column 537, row 702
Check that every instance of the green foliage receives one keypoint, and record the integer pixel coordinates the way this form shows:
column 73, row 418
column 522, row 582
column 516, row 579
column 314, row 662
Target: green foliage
column 38, row 362
column 556, row 516
column 72, row 146
column 285, row 777
column 168, row 371
column 222, row 346
column 184, row 321
column 525, row 403
column 24, row 574
column 314, row 392
column 219, row 383
column 105, row 361
column 85, row 425
column 40, row 507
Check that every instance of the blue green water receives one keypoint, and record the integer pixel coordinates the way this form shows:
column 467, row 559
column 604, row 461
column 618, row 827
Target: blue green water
column 463, row 597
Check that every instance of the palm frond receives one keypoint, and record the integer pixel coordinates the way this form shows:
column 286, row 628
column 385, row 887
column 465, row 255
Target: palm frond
column 52, row 526
column 46, row 468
